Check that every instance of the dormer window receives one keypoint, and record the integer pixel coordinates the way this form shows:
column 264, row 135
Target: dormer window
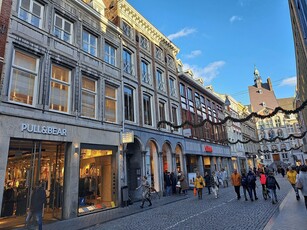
column 260, row 91
column 263, row 104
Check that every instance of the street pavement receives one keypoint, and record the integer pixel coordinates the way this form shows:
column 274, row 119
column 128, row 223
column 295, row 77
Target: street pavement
column 187, row 212
column 225, row 212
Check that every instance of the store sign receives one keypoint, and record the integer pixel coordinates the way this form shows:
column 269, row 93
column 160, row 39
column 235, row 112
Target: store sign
column 208, row 149
column 48, row 130
column 187, row 132
column 128, row 137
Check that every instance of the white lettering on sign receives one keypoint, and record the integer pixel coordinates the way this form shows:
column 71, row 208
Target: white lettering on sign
column 48, row 130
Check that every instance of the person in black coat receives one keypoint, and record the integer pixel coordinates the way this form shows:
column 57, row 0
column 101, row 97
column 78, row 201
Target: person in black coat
column 38, row 198
column 174, row 182
column 8, row 201
column 271, row 184
column 208, row 182
column 251, row 183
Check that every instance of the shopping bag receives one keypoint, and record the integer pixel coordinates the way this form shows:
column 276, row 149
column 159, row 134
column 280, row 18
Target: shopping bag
column 195, row 191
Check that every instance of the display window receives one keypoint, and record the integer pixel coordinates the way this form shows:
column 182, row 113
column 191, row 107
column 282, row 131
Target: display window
column 31, row 162
column 97, row 182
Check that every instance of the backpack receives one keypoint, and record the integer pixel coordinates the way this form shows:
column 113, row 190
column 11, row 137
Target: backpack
column 244, row 181
column 251, row 179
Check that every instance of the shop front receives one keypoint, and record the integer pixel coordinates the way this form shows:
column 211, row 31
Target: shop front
column 98, row 180
column 31, row 162
column 76, row 166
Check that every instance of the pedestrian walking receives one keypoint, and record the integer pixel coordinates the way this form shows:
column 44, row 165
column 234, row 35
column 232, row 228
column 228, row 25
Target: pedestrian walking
column 199, row 183
column 282, row 171
column 244, row 185
column 224, row 176
column 251, row 183
column 291, row 176
column 208, row 182
column 214, row 184
column 271, row 184
column 236, row 182
column 168, row 184
column 145, row 191
column 183, row 184
column 38, row 198
column 174, row 182
column 302, row 180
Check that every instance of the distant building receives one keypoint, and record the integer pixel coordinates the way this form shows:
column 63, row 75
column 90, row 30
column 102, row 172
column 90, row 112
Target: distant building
column 263, row 101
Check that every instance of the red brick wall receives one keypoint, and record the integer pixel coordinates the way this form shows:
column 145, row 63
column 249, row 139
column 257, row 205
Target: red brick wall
column 4, row 21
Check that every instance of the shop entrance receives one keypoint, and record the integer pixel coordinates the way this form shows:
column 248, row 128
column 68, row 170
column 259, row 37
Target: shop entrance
column 31, row 162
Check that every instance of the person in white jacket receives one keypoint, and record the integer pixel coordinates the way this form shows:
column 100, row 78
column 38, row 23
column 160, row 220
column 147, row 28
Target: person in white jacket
column 302, row 179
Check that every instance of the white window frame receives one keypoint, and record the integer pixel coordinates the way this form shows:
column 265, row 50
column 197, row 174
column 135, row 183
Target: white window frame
column 22, row 69
column 160, row 80
column 145, row 72
column 62, row 83
column 86, row 34
column 144, row 43
column 159, row 53
column 109, row 50
column 170, row 62
column 150, row 107
column 133, row 103
column 111, row 99
column 128, row 67
column 172, row 86
column 62, row 29
column 30, row 14
column 127, row 29
column 88, row 91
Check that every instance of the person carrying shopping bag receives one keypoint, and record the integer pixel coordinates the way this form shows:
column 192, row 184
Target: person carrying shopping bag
column 199, row 184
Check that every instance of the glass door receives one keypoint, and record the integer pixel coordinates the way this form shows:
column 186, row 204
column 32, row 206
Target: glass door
column 56, row 190
column 31, row 162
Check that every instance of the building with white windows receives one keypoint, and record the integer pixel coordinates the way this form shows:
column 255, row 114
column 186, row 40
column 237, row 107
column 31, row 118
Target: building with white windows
column 275, row 152
column 78, row 79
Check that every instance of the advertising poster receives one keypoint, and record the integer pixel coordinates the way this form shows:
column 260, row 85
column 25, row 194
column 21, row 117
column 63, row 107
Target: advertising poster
column 191, row 178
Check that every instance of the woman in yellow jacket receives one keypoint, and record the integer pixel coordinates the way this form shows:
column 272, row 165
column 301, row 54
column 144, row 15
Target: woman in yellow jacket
column 199, row 183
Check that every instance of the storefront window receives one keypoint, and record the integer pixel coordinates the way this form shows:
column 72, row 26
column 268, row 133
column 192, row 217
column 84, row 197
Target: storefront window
column 31, row 162
column 97, row 186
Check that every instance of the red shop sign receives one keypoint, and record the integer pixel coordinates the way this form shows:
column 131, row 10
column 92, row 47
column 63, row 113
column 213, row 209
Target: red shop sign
column 208, row 149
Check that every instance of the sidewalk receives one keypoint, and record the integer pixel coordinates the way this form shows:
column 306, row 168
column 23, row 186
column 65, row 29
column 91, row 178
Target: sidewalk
column 292, row 214
column 90, row 220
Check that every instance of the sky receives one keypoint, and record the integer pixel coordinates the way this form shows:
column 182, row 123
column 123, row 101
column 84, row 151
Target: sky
column 223, row 40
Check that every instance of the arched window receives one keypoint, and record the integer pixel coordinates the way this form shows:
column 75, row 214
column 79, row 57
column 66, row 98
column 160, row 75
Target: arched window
column 271, row 134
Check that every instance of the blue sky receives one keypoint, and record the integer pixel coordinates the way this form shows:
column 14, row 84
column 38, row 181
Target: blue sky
column 222, row 41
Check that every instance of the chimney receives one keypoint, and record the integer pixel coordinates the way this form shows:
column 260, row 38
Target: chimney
column 270, row 84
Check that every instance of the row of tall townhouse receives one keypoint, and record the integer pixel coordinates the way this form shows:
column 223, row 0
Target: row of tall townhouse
column 83, row 87
column 298, row 10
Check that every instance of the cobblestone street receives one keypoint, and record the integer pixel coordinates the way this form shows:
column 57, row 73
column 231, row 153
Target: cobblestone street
column 226, row 212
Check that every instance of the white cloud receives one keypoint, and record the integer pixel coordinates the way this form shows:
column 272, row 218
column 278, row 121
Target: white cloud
column 291, row 81
column 193, row 54
column 208, row 73
column 235, row 18
column 182, row 33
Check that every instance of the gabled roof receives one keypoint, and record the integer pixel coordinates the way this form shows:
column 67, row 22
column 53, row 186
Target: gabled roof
column 286, row 103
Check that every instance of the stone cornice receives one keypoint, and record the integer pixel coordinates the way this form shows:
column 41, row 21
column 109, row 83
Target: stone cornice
column 127, row 12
